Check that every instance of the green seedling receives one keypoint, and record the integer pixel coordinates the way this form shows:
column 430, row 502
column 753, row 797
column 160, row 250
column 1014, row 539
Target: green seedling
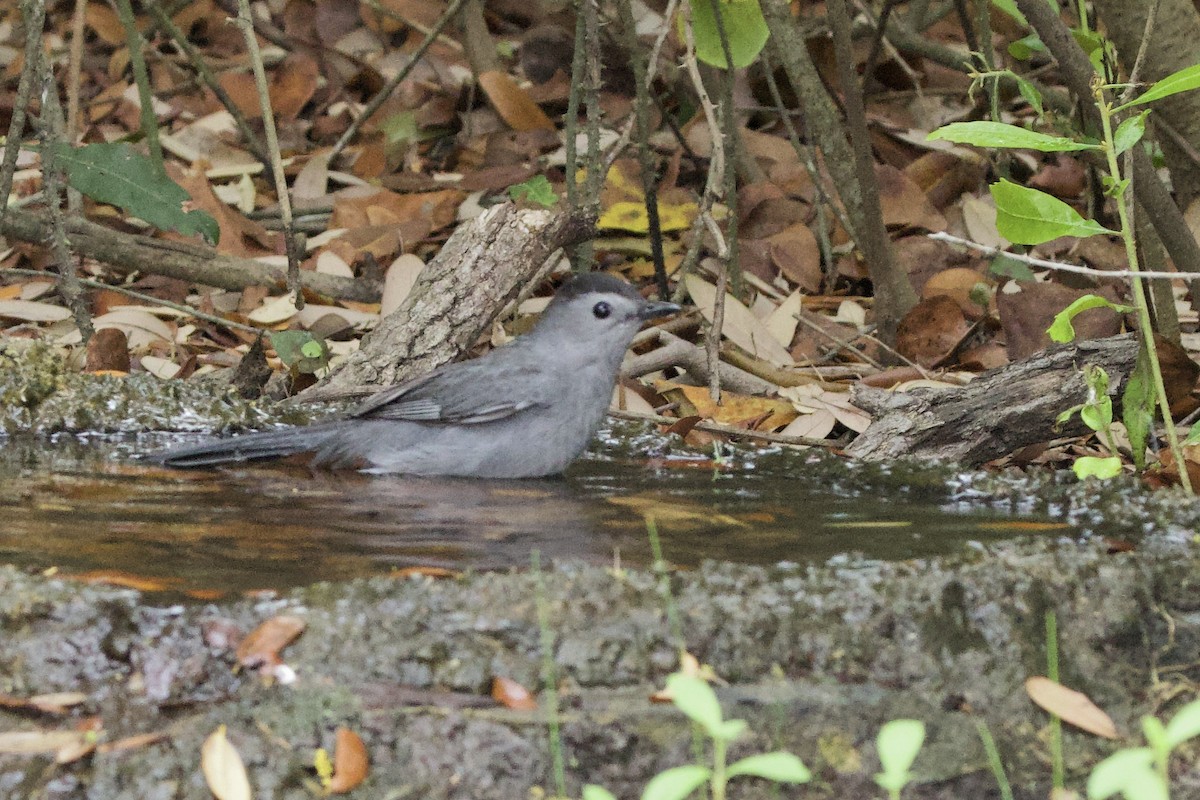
column 1140, row 773
column 695, row 698
column 898, row 743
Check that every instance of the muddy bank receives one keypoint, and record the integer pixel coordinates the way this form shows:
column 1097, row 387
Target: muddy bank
column 816, row 658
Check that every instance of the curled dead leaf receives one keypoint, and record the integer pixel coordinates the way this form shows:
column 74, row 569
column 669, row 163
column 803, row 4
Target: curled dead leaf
column 511, row 694
column 1070, row 706
column 263, row 644
column 351, row 762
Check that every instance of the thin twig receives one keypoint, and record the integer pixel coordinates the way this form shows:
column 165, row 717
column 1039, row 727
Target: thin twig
column 645, row 157
column 75, row 70
column 33, row 14
column 1060, row 266
column 246, row 22
column 50, row 129
column 137, row 62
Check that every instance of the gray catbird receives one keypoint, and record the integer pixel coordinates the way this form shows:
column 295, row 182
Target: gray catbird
column 523, row 410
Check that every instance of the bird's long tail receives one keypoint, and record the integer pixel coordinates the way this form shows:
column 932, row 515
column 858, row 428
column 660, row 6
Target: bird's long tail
column 248, row 447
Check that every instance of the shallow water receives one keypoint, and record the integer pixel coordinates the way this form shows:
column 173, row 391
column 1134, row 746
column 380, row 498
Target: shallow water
column 85, row 507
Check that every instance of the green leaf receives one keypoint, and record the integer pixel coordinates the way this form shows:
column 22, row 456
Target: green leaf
column 593, row 792
column 1096, row 467
column 1010, row 7
column 1129, row 132
column 120, row 176
column 780, row 767
column 694, row 697
column 1097, row 415
column 1193, row 435
column 1027, row 216
column 1031, row 95
column 1009, row 267
column 1024, row 48
column 898, row 743
column 745, row 29
column 1130, row 771
column 1184, row 725
column 1137, row 407
column 1184, row 80
column 300, row 350
column 676, row 783
column 729, row 730
column 1061, row 330
column 999, row 134
column 537, row 190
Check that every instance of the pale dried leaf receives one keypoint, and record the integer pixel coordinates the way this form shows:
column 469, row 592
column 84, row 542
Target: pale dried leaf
column 401, row 277
column 22, row 743
column 979, row 217
column 223, row 768
column 814, row 425
column 851, row 313
column 163, row 368
column 330, row 263
column 782, row 321
column 31, row 311
column 273, row 311
column 1071, row 706
column 140, row 327
column 740, row 326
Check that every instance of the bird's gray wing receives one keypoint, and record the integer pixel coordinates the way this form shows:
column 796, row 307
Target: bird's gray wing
column 465, row 393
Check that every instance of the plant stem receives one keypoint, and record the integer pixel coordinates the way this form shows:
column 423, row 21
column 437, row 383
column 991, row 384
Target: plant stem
column 1139, row 292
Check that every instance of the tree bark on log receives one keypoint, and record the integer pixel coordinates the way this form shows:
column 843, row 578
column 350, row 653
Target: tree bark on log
column 482, row 268
column 997, row 413
column 126, row 252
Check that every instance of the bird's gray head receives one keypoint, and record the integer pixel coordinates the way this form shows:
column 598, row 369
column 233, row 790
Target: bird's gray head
column 598, row 314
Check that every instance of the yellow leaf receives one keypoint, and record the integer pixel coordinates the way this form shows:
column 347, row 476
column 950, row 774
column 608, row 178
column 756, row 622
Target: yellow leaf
column 223, row 768
column 625, row 216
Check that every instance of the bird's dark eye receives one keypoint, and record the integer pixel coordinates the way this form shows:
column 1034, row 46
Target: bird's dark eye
column 601, row 310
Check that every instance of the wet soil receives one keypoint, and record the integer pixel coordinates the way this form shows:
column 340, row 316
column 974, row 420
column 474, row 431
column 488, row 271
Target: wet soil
column 816, row 658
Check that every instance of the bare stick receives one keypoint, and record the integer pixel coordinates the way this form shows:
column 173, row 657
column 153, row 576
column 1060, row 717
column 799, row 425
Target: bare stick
column 246, row 23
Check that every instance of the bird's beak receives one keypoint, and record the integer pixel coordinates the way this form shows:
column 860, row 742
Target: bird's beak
column 657, row 308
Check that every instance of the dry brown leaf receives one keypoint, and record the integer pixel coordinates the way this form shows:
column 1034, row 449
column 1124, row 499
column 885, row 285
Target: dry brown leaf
column 738, row 409
column 263, row 644
column 931, row 330
column 223, row 769
column 105, row 23
column 740, row 326
column 511, row 694
column 1071, row 706
column 957, row 283
column 511, row 102
column 796, row 254
column 903, row 203
column 1026, row 309
column 351, row 762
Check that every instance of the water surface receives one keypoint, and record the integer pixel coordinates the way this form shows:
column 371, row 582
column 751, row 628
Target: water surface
column 85, row 507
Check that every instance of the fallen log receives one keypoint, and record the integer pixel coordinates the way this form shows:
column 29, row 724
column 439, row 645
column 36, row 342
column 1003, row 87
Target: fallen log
column 997, row 413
